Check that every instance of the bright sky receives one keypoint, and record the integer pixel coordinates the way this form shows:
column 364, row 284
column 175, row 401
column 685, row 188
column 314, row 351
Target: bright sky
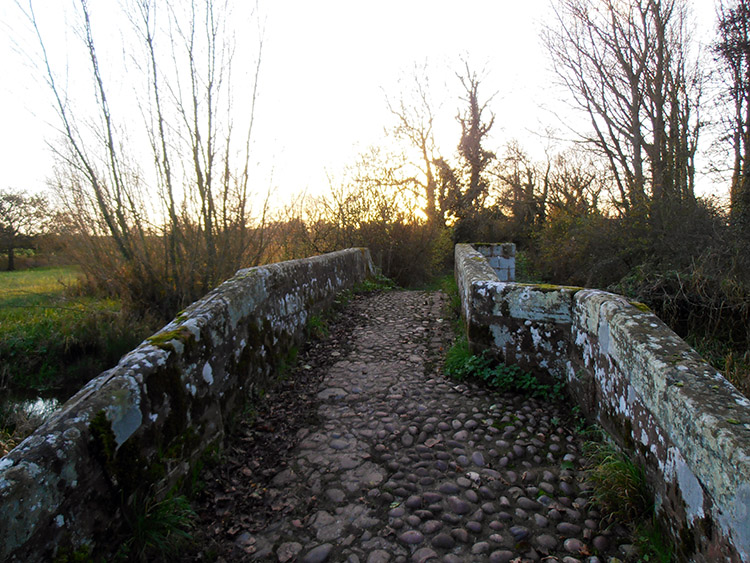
column 327, row 67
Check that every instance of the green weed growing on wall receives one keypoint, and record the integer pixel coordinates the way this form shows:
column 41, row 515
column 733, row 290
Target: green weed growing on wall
column 461, row 364
column 620, row 491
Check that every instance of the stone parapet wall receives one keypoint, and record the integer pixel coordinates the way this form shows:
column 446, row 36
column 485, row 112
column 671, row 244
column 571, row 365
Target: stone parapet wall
column 501, row 258
column 673, row 413
column 138, row 429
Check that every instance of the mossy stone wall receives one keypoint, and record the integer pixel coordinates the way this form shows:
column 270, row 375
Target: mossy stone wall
column 136, row 430
column 672, row 412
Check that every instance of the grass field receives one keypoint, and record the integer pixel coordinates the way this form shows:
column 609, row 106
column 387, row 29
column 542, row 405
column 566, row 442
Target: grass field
column 51, row 339
column 22, row 287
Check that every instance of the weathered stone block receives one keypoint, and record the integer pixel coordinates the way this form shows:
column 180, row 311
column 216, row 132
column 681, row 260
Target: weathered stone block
column 501, row 258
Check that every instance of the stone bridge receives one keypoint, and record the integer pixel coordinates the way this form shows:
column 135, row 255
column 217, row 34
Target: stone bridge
column 402, row 463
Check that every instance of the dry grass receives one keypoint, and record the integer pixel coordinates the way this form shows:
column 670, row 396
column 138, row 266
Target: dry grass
column 619, row 485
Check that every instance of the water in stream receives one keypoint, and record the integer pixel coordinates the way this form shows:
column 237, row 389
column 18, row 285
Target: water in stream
column 22, row 412
column 37, row 408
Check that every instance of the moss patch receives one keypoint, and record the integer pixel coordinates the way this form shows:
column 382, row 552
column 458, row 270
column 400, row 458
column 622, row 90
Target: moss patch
column 124, row 466
column 164, row 340
column 640, row 306
column 67, row 554
column 548, row 287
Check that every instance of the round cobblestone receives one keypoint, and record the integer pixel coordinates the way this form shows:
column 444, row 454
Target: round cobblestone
column 469, row 474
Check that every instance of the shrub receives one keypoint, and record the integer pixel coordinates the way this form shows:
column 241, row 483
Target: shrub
column 688, row 265
column 403, row 247
column 698, row 282
column 486, row 225
column 404, row 251
column 589, row 250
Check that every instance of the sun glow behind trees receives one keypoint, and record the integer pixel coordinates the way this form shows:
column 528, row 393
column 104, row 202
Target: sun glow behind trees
column 326, row 69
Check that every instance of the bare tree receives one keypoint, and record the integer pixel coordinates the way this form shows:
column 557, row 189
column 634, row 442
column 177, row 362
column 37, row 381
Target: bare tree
column 22, row 217
column 575, row 184
column 415, row 124
column 183, row 224
column 522, row 186
column 475, row 125
column 627, row 65
column 733, row 49
column 465, row 186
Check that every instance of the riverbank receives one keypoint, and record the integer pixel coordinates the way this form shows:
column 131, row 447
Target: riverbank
column 53, row 339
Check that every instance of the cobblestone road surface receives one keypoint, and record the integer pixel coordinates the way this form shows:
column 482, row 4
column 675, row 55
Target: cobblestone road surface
column 405, row 464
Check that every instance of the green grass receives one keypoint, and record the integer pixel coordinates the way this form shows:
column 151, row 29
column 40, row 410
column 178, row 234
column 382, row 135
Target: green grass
column 160, row 530
column 30, row 285
column 619, row 485
column 462, row 364
column 620, row 491
column 50, row 339
column 447, row 284
column 438, row 283
column 317, row 327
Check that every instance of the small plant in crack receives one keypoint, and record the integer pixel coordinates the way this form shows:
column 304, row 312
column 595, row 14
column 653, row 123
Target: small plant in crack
column 620, row 490
column 462, row 364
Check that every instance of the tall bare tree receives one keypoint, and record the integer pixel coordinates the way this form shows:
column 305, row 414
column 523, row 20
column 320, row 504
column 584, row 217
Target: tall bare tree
column 523, row 186
column 415, row 124
column 184, row 223
column 733, row 49
column 467, row 184
column 628, row 66
column 475, row 126
column 574, row 184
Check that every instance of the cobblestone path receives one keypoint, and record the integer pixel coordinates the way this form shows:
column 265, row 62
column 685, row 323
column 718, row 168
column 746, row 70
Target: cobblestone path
column 404, row 464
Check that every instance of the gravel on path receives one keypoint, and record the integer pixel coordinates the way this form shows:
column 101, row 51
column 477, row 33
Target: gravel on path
column 368, row 453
